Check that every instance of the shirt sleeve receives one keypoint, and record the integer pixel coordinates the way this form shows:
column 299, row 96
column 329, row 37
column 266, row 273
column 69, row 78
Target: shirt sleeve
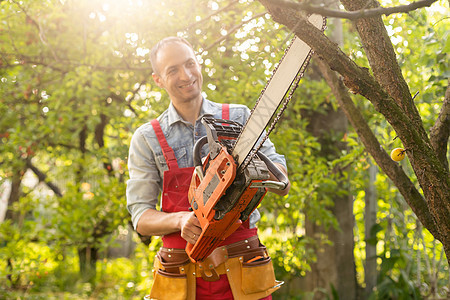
column 143, row 187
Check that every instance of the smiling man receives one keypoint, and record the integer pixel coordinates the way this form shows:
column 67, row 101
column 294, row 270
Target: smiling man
column 161, row 163
column 177, row 71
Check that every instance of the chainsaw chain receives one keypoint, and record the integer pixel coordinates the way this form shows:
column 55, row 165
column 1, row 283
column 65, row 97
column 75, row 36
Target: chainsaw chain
column 285, row 102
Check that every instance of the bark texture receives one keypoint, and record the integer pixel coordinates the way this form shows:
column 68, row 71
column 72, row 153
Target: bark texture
column 440, row 132
column 14, row 195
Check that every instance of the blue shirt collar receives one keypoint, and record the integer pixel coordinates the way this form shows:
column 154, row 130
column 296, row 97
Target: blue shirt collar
column 208, row 109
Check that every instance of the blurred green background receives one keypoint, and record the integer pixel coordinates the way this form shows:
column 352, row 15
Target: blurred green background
column 75, row 82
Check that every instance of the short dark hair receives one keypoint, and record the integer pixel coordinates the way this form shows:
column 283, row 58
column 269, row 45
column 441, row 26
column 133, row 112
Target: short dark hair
column 161, row 44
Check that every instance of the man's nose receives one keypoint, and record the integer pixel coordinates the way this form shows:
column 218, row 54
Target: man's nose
column 185, row 73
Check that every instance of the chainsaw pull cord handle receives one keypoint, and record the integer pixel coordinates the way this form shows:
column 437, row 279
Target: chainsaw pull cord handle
column 197, row 156
column 282, row 182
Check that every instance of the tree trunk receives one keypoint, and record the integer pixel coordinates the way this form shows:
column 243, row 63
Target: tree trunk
column 87, row 262
column 334, row 270
column 14, row 195
column 370, row 268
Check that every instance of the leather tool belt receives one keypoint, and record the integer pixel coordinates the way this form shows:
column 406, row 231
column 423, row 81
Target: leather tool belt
column 212, row 267
column 246, row 263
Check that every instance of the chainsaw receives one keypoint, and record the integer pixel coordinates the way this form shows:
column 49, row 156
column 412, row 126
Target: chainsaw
column 230, row 182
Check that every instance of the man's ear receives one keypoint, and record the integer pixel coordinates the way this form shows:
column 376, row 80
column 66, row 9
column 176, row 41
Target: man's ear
column 157, row 79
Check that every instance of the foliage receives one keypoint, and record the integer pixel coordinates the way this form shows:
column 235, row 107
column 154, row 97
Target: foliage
column 93, row 213
column 404, row 252
column 75, row 84
column 55, row 277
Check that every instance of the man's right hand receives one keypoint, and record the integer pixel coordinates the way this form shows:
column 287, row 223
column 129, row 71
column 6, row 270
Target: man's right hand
column 190, row 227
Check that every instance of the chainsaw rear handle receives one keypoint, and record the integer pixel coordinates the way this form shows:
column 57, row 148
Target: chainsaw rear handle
column 282, row 182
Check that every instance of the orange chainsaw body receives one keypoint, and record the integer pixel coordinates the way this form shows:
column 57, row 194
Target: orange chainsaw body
column 222, row 199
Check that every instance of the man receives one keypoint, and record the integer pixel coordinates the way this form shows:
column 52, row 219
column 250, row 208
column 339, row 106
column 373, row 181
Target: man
column 160, row 161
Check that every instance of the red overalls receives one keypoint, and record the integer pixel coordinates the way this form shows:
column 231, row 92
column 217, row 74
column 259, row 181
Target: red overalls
column 176, row 183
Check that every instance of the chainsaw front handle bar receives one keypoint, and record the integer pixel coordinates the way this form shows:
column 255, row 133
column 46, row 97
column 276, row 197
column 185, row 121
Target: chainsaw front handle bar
column 198, row 168
column 281, row 184
column 197, row 151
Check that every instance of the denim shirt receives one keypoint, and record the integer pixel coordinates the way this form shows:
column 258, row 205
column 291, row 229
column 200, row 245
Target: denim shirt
column 146, row 162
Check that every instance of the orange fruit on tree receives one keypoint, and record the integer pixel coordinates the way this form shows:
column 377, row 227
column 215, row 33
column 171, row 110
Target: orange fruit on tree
column 398, row 154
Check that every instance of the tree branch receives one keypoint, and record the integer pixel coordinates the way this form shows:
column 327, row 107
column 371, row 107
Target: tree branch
column 133, row 94
column 352, row 15
column 43, row 178
column 99, row 137
column 195, row 24
column 235, row 28
column 392, row 169
column 41, row 61
column 39, row 28
column 440, row 132
column 77, row 64
column 383, row 61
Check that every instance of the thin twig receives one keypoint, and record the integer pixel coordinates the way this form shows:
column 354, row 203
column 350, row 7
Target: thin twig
column 43, row 178
column 39, row 28
column 195, row 24
column 235, row 28
column 353, row 15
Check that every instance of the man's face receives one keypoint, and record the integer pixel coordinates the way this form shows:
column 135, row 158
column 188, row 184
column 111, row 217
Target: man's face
column 179, row 73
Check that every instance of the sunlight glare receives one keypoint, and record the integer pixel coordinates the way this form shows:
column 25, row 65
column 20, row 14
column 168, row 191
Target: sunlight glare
column 142, row 51
column 214, row 5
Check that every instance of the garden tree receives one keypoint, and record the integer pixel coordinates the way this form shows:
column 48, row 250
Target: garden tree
column 385, row 87
column 63, row 118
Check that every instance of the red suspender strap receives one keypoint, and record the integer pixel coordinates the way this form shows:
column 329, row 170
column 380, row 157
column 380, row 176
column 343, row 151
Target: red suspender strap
column 168, row 153
column 226, row 111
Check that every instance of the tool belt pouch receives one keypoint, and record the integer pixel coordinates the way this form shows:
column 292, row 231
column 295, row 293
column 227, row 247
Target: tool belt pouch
column 257, row 276
column 251, row 275
column 169, row 280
